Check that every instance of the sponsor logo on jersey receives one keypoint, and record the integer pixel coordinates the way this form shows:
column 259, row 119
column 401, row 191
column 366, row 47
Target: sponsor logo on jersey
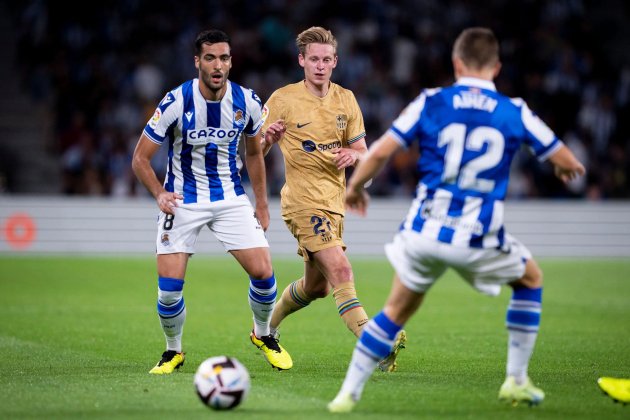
column 452, row 222
column 329, row 146
column 153, row 122
column 303, row 125
column 309, row 146
column 342, row 121
column 210, row 135
column 188, row 115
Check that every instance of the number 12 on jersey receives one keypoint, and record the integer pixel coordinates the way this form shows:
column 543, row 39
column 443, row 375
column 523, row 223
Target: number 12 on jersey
column 457, row 141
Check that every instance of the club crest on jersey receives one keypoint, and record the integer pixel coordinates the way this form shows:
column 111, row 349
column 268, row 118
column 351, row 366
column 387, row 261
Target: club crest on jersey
column 165, row 239
column 342, row 121
column 239, row 121
column 153, row 122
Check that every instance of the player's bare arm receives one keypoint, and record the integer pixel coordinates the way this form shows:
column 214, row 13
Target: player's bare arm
column 255, row 162
column 350, row 156
column 273, row 135
column 372, row 163
column 141, row 164
column 566, row 166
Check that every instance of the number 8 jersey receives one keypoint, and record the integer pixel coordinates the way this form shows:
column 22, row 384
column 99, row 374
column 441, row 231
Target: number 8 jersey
column 467, row 135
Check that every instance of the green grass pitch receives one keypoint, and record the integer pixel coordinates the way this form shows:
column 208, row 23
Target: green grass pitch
column 79, row 335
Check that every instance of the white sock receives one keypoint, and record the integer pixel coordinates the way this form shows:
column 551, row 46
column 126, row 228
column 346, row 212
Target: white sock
column 361, row 368
column 523, row 322
column 520, row 349
column 375, row 343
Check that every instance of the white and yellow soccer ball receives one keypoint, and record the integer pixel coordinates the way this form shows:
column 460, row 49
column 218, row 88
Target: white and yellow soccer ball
column 222, row 382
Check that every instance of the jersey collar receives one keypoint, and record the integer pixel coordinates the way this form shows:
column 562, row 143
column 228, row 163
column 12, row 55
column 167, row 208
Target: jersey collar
column 475, row 82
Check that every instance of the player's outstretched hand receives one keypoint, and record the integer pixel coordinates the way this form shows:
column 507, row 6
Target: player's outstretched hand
column 357, row 201
column 571, row 173
column 262, row 214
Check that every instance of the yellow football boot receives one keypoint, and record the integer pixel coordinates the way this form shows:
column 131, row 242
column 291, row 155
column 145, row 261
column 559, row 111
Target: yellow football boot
column 343, row 403
column 513, row 393
column 388, row 364
column 275, row 354
column 171, row 360
column 616, row 388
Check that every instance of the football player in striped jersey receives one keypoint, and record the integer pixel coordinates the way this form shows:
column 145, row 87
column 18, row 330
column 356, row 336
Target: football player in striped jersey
column 202, row 122
column 467, row 135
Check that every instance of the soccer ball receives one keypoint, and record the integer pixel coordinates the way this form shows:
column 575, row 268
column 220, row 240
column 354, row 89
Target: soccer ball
column 222, row 382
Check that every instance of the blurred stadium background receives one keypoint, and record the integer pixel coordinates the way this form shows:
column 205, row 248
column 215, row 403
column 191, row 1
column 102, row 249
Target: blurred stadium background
column 80, row 84
column 79, row 331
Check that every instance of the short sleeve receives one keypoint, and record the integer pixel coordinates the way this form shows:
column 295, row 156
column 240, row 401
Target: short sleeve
column 272, row 110
column 356, row 127
column 255, row 122
column 164, row 116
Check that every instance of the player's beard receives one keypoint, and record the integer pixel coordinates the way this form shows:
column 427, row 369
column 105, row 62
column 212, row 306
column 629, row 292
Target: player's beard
column 213, row 86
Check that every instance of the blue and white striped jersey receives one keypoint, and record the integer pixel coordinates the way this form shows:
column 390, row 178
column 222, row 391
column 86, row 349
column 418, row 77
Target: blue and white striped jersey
column 203, row 138
column 467, row 135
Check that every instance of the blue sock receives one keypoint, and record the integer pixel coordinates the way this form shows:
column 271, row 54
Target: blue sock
column 378, row 336
column 376, row 342
column 262, row 299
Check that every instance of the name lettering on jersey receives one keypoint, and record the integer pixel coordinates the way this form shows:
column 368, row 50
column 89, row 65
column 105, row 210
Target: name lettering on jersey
column 453, row 222
column 188, row 115
column 473, row 100
column 210, row 135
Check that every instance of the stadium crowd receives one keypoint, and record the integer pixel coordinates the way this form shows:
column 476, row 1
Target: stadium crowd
column 104, row 66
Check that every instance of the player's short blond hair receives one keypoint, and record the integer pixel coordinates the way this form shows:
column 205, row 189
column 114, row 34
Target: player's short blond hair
column 315, row 35
column 477, row 47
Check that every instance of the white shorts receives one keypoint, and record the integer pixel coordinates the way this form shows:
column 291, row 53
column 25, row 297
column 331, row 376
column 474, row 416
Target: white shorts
column 419, row 262
column 232, row 222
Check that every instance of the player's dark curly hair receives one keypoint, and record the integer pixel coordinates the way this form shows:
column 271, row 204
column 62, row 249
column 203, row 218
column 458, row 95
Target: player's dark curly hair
column 211, row 36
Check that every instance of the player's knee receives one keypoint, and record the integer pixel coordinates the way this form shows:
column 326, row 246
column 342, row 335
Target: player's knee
column 343, row 274
column 262, row 270
column 533, row 277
